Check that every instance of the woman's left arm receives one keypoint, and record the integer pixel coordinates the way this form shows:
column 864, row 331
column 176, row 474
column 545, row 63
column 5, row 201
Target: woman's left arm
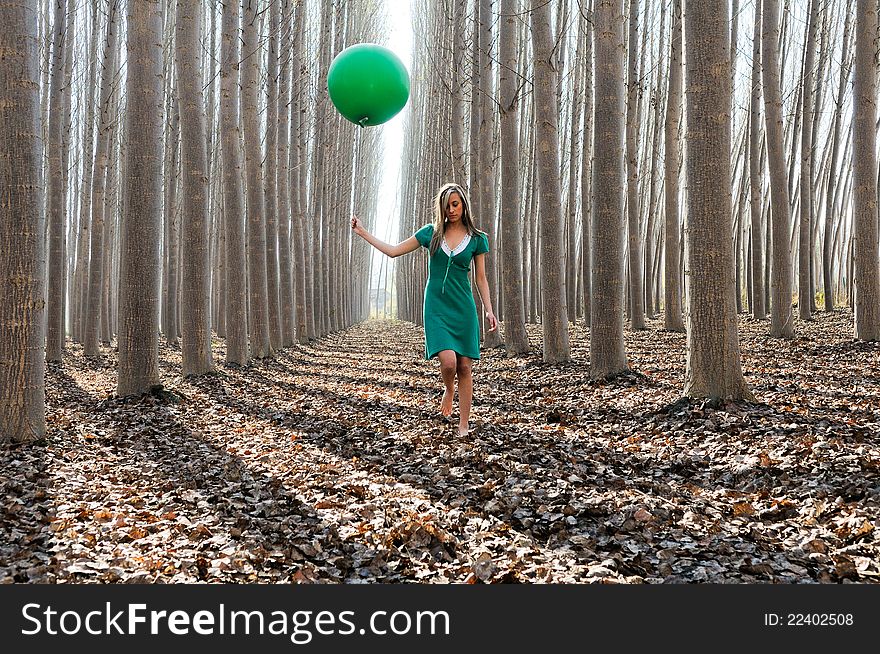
column 483, row 289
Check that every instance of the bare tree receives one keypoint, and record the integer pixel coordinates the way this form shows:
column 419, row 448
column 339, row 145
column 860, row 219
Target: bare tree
column 553, row 299
column 485, row 160
column 92, row 308
column 834, row 186
column 714, row 369
column 285, row 269
column 305, row 322
column 586, row 23
column 607, row 354
column 55, row 191
column 634, row 255
column 576, row 150
column 756, row 179
column 515, row 338
column 805, row 297
column 22, row 224
column 864, row 160
column 79, row 287
column 140, row 263
column 270, row 180
column 258, row 307
column 780, row 305
column 233, row 211
column 672, row 286
column 195, row 287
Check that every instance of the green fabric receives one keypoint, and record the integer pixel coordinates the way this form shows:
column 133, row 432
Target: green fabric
column 450, row 314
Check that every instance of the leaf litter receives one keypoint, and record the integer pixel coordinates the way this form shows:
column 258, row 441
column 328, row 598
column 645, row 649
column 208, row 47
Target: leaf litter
column 331, row 464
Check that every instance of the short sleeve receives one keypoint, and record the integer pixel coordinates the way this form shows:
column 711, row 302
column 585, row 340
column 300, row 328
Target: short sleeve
column 482, row 245
column 423, row 236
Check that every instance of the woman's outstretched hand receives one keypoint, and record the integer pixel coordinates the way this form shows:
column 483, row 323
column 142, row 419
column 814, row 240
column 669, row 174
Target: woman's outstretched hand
column 493, row 321
column 356, row 226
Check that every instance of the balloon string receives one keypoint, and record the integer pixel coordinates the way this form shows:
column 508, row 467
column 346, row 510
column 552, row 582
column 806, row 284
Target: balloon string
column 356, row 188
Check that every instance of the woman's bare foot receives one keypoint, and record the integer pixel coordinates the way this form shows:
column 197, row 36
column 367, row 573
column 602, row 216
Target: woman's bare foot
column 446, row 403
column 463, row 429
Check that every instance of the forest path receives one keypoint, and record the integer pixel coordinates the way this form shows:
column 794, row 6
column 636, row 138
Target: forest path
column 330, row 462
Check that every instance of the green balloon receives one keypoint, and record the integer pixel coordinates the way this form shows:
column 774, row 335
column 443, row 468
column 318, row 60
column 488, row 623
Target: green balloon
column 368, row 84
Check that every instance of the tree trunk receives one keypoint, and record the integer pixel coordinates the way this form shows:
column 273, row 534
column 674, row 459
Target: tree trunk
column 756, row 178
column 636, row 292
column 485, row 163
column 587, row 167
column 672, row 314
column 22, row 225
column 834, row 184
column 195, row 295
column 515, row 337
column 270, row 197
column 233, row 211
column 80, row 281
column 574, row 177
column 55, row 199
column 305, row 324
column 285, row 290
column 607, row 354
column 805, row 299
column 654, row 155
column 866, row 258
column 92, row 305
column 714, row 369
column 554, row 312
column 258, row 307
column 170, row 313
column 140, row 263
column 780, row 307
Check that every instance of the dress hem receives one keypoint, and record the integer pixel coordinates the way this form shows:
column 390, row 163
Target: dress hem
column 430, row 356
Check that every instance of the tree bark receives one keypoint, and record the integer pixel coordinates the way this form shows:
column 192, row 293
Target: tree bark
column 305, row 322
column 270, row 196
column 634, row 257
column 780, row 307
column 805, row 299
column 233, row 211
column 92, row 304
column 258, row 307
column 554, row 312
column 866, row 258
column 140, row 263
column 22, row 225
column 607, row 354
column 515, row 337
column 55, row 192
column 834, row 184
column 714, row 369
column 195, row 295
column 285, row 289
column 756, row 178
column 672, row 314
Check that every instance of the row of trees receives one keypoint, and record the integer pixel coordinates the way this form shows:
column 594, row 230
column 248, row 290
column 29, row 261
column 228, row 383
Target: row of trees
column 175, row 167
column 571, row 123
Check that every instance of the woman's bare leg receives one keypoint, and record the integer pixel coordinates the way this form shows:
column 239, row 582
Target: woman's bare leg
column 465, row 393
column 447, row 372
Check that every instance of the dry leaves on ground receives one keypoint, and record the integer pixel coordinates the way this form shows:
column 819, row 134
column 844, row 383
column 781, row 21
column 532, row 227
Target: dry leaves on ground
column 329, row 463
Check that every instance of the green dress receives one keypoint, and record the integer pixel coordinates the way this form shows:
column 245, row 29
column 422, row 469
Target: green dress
column 451, row 321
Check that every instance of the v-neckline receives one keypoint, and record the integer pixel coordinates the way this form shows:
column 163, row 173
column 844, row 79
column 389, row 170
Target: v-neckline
column 457, row 245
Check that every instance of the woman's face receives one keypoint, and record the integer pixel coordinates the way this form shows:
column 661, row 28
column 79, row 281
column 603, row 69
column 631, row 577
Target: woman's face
column 454, row 208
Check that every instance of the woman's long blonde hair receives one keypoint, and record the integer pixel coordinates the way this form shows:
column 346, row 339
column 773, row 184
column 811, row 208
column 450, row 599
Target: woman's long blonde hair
column 441, row 204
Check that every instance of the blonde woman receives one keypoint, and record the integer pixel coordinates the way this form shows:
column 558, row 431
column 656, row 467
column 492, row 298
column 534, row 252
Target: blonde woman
column 451, row 323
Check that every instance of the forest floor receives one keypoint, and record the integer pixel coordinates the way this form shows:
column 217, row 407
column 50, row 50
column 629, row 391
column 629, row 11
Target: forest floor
column 330, row 463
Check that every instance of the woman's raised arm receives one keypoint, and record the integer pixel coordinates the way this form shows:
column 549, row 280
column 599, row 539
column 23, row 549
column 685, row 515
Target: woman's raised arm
column 403, row 247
